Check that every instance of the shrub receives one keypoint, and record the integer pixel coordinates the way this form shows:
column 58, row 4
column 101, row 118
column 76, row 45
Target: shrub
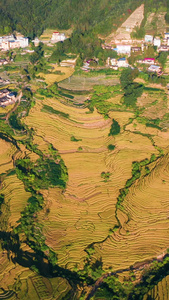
column 111, row 147
column 73, row 139
column 105, row 175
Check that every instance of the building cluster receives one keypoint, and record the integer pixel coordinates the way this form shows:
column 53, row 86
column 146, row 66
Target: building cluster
column 56, row 37
column 122, row 63
column 162, row 44
column 10, row 42
column 6, row 97
column 126, row 48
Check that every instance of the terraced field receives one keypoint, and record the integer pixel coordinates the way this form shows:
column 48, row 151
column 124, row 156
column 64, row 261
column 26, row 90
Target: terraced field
column 85, row 212
column 144, row 232
column 83, row 83
column 30, row 286
column 52, row 77
column 15, row 196
column 6, row 152
column 160, row 291
column 85, row 222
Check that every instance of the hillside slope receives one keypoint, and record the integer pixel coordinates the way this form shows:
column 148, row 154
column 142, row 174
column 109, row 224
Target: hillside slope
column 31, row 17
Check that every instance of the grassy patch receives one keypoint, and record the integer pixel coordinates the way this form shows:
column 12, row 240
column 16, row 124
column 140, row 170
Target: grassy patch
column 73, row 139
column 66, row 95
column 49, row 109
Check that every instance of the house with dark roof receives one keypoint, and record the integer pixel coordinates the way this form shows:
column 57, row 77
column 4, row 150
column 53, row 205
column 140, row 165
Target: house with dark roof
column 6, row 97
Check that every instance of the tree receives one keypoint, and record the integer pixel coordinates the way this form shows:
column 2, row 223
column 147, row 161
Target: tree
column 27, row 93
column 149, row 52
column 167, row 17
column 162, row 58
column 138, row 33
column 34, row 57
column 132, row 90
column 127, row 76
column 115, row 128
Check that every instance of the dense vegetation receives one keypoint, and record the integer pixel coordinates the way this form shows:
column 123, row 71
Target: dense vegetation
column 132, row 90
column 31, row 17
column 86, row 44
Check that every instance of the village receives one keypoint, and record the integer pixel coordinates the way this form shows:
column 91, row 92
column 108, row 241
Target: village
column 125, row 51
column 10, row 43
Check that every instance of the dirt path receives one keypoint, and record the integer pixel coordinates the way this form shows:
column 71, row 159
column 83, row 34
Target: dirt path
column 136, row 267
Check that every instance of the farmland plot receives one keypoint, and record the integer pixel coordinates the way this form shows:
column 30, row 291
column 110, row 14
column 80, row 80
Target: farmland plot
column 85, row 212
column 82, row 83
column 6, row 152
column 65, row 72
column 15, row 196
column 145, row 228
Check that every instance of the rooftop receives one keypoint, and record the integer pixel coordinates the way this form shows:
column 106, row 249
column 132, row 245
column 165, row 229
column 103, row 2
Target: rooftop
column 123, row 58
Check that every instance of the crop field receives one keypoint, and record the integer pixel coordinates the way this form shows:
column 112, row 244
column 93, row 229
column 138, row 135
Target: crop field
column 52, row 77
column 15, row 196
column 5, row 110
column 6, row 152
column 145, row 231
column 32, row 286
column 83, row 83
column 85, row 212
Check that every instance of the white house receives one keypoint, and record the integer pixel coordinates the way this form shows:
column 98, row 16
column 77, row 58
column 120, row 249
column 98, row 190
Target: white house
column 23, row 41
column 123, row 49
column 157, row 42
column 14, row 44
column 112, row 63
column 58, row 37
column 148, row 38
column 9, row 42
column 154, row 68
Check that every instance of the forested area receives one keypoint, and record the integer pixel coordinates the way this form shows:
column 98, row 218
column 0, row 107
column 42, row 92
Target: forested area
column 32, row 17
